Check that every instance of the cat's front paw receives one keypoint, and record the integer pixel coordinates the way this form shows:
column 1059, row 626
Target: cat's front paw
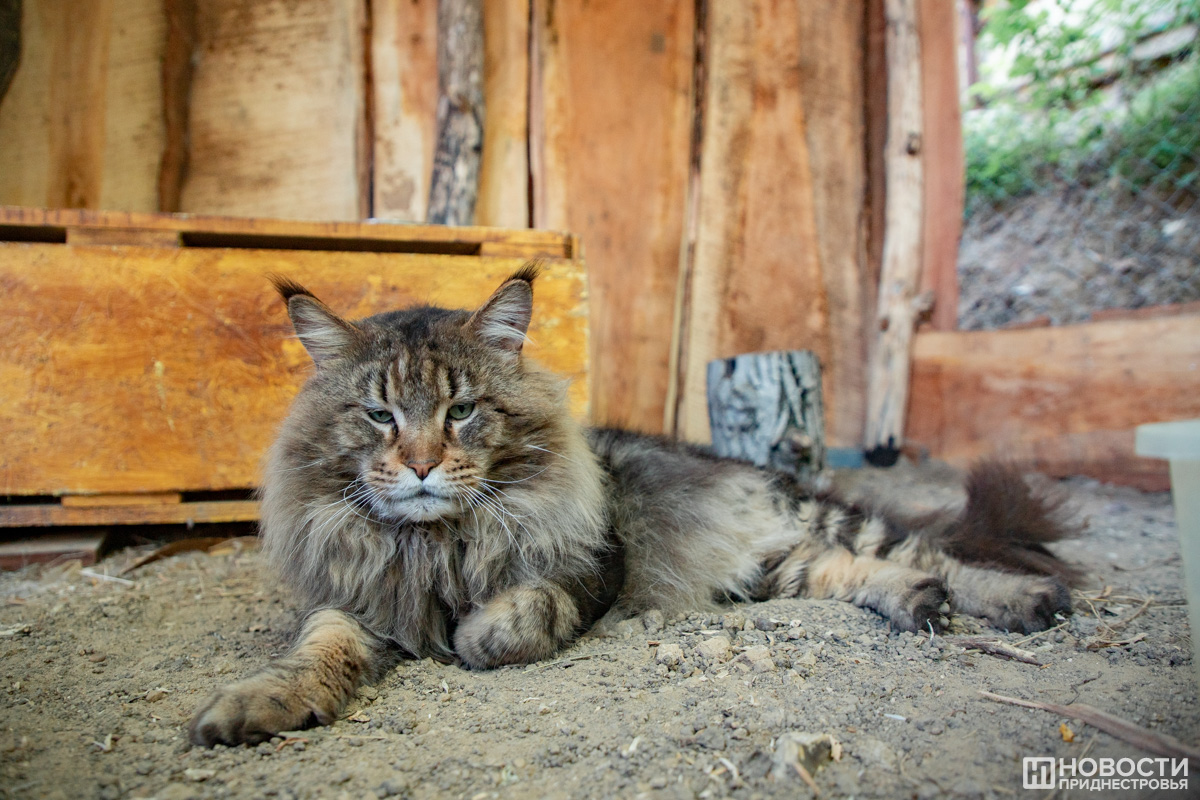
column 518, row 626
column 1035, row 608
column 249, row 712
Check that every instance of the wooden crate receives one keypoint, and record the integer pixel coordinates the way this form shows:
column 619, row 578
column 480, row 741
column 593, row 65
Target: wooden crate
column 148, row 362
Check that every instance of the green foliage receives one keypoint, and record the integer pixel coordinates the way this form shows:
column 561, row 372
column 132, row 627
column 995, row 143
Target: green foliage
column 1062, row 127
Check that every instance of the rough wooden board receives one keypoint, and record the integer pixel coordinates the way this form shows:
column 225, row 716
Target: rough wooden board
column 48, row 514
column 899, row 304
column 832, row 85
column 504, row 174
column 454, row 185
column 134, row 124
column 145, row 369
column 109, row 500
column 404, row 85
column 213, row 231
column 50, row 547
column 942, row 151
column 82, row 124
column 756, row 281
column 610, row 145
column 277, row 109
column 1064, row 399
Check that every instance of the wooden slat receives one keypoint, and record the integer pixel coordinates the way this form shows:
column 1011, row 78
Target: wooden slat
column 404, row 94
column 756, row 282
column 81, row 124
column 277, row 110
column 137, row 236
column 243, row 230
column 943, row 163
column 1065, row 400
column 109, row 500
column 899, row 283
column 504, row 174
column 50, row 547
column 133, row 369
column 41, row 515
column 609, row 137
column 831, row 87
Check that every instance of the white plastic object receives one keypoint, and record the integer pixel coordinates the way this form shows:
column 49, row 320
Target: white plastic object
column 1179, row 443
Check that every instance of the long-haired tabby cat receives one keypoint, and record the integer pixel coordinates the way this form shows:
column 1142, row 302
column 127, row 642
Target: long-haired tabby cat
column 430, row 496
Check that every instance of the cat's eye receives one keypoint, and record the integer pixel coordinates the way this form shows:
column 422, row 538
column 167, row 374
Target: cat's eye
column 460, row 410
column 380, row 416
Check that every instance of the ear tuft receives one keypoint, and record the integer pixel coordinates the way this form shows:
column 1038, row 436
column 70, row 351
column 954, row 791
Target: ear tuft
column 323, row 333
column 503, row 321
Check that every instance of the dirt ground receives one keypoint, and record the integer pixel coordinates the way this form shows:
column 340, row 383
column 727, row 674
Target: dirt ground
column 1063, row 255
column 100, row 678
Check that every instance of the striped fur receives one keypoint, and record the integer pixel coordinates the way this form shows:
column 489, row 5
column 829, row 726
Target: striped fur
column 430, row 496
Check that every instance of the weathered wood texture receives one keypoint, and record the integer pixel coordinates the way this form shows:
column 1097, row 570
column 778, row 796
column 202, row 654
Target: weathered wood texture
column 766, row 408
column 609, row 141
column 277, row 110
column 504, row 172
column 178, row 69
column 81, row 125
column 151, row 369
column 404, row 97
column 943, row 161
column 209, row 511
column 779, row 251
column 454, row 185
column 10, row 42
column 1063, row 400
column 900, row 302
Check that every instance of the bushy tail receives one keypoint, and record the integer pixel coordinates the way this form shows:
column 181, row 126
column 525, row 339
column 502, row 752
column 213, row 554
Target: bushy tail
column 1007, row 524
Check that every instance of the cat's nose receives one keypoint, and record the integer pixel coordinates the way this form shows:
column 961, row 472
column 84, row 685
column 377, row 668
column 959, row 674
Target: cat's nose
column 422, row 468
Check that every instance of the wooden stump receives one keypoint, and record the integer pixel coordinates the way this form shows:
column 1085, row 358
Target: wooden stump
column 765, row 408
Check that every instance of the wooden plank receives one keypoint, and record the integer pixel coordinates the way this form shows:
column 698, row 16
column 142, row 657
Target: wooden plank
column 42, row 515
column 1146, row 312
column 277, row 110
column 50, row 547
column 137, row 236
column 504, row 174
column 404, row 96
column 135, row 132
column 110, row 500
column 943, row 162
column 899, row 283
column 831, row 90
column 82, row 123
column 756, row 282
column 1064, row 400
column 134, row 369
column 202, row 230
column 178, row 69
column 595, row 65
column 460, row 113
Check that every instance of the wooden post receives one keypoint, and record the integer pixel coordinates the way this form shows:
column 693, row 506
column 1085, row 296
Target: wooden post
column 766, row 408
column 455, row 182
column 900, row 300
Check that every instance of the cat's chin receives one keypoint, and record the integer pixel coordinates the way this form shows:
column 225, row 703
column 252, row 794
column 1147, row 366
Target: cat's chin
column 423, row 508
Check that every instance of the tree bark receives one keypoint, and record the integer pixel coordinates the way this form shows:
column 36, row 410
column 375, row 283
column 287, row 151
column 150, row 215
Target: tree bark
column 766, row 408
column 455, row 182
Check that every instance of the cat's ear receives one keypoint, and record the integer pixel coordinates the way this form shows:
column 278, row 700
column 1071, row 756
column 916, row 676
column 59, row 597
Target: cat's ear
column 503, row 320
column 323, row 333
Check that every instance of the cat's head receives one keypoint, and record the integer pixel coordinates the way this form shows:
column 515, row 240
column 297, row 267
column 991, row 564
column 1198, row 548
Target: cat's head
column 426, row 413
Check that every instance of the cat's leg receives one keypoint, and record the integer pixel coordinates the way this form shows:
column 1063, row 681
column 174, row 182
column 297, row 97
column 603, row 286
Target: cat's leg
column 911, row 598
column 331, row 658
column 518, row 626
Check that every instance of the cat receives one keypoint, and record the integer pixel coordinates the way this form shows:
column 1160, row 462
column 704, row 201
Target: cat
column 430, row 496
